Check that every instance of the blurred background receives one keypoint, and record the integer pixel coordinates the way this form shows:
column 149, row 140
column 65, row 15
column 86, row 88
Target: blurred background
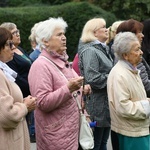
column 75, row 12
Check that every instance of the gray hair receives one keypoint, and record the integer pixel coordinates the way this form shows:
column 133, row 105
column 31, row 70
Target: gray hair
column 122, row 43
column 8, row 25
column 45, row 29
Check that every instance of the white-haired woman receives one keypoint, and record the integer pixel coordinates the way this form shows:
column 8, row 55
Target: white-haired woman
column 35, row 46
column 53, row 81
column 129, row 105
column 95, row 64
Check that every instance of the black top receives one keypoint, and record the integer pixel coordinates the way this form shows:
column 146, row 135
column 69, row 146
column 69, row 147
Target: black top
column 21, row 64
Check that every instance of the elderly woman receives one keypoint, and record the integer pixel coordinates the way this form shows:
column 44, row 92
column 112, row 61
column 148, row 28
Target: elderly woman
column 95, row 64
column 21, row 64
column 13, row 108
column 129, row 106
column 135, row 27
column 35, row 46
column 53, row 81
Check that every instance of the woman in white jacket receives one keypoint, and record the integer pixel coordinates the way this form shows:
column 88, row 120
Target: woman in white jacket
column 129, row 105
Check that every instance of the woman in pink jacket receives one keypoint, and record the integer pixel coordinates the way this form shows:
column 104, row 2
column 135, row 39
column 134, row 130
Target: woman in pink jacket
column 13, row 107
column 53, row 82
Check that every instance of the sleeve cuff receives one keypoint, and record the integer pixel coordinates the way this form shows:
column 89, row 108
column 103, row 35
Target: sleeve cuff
column 146, row 106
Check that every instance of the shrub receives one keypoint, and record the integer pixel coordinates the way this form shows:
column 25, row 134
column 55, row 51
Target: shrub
column 74, row 13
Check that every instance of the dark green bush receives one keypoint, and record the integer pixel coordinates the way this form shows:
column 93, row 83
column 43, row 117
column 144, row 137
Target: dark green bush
column 75, row 14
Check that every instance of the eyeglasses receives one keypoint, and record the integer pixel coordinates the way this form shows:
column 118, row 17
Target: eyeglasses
column 10, row 44
column 15, row 32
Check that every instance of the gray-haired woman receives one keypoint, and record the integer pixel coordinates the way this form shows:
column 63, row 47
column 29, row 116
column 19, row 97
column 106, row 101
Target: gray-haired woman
column 128, row 103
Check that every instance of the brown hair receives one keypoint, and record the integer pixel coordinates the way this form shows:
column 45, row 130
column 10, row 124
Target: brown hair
column 4, row 36
column 130, row 25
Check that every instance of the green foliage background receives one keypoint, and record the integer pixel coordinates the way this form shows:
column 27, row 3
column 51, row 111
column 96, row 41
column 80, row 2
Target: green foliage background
column 25, row 13
column 75, row 14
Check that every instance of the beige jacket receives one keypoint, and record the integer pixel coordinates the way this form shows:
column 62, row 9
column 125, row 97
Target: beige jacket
column 129, row 107
column 13, row 128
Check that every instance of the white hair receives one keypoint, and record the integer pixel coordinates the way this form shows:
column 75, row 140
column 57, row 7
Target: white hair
column 32, row 36
column 122, row 43
column 45, row 29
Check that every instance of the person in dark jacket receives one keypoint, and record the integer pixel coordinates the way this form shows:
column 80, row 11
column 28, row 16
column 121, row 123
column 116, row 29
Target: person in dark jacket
column 21, row 62
column 95, row 63
column 146, row 40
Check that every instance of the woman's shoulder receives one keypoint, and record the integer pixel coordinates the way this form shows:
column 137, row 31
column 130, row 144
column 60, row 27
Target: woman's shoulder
column 2, row 76
column 40, row 64
column 4, row 82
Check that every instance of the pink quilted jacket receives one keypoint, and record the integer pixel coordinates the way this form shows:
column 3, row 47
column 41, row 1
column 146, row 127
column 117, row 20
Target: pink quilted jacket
column 56, row 115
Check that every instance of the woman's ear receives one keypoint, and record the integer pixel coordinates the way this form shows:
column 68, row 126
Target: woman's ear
column 95, row 33
column 125, row 56
column 45, row 42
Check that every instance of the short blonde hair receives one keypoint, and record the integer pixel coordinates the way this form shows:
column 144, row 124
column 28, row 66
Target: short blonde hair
column 90, row 27
column 112, row 30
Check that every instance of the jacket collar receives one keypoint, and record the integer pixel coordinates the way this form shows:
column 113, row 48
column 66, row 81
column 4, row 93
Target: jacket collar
column 129, row 66
column 56, row 60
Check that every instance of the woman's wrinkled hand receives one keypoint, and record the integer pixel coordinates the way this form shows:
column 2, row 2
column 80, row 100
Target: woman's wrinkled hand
column 30, row 102
column 88, row 119
column 75, row 84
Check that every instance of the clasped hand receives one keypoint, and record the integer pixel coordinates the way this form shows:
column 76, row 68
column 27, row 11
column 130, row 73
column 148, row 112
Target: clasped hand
column 77, row 83
column 30, row 102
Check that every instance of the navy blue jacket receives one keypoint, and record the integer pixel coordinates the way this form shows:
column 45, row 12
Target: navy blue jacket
column 22, row 67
